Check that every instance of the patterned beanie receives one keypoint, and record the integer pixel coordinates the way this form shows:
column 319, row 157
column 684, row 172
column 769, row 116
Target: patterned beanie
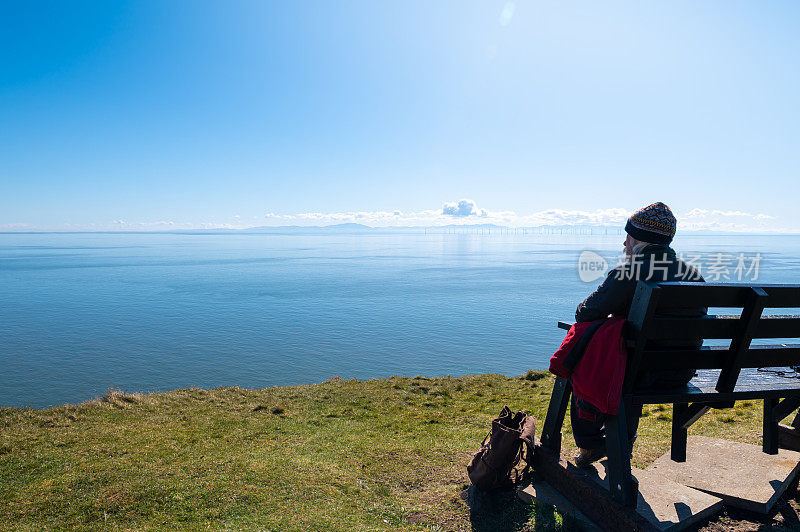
column 654, row 223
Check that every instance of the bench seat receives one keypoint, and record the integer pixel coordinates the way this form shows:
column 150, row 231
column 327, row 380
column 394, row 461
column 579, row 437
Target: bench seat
column 752, row 384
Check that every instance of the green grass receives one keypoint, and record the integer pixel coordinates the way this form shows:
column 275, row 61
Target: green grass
column 384, row 454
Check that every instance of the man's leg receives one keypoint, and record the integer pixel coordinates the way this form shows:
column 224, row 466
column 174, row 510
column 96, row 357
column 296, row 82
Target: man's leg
column 587, row 424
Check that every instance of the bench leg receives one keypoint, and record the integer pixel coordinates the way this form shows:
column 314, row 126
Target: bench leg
column 559, row 400
column 770, row 443
column 679, row 433
column 624, row 488
column 683, row 416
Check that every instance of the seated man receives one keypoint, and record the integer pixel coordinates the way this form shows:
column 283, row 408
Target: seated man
column 649, row 257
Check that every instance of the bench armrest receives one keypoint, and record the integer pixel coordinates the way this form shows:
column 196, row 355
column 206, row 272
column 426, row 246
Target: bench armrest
column 564, row 325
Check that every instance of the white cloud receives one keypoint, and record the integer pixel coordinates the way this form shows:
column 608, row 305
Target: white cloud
column 464, row 207
column 696, row 212
column 160, row 223
column 612, row 216
column 705, row 213
column 718, row 220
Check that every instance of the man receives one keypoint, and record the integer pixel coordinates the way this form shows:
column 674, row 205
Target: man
column 650, row 231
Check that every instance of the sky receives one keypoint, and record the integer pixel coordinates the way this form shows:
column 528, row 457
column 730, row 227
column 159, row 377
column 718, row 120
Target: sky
column 175, row 115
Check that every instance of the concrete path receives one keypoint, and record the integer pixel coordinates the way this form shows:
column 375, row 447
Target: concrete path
column 739, row 473
column 666, row 505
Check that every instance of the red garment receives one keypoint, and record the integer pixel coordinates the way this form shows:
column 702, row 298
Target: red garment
column 598, row 376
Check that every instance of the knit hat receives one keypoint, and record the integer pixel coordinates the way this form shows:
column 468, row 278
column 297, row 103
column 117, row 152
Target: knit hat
column 654, row 223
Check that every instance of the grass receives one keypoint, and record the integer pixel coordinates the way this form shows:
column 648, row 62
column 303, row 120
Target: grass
column 383, row 454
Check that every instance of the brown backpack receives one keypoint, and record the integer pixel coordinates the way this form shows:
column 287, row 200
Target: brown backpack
column 491, row 467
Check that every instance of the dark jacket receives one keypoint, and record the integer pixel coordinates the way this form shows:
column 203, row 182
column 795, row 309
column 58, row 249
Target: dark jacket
column 614, row 297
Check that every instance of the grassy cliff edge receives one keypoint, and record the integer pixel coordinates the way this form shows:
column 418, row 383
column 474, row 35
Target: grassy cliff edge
column 381, row 454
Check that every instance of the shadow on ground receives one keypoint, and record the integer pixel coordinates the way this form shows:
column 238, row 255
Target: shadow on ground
column 503, row 511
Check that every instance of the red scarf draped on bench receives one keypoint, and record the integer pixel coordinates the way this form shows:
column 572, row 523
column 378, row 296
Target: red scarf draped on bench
column 599, row 372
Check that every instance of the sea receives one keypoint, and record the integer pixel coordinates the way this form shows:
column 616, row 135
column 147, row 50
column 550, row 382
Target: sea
column 81, row 313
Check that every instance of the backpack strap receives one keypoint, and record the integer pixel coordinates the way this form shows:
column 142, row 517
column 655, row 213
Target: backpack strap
column 527, row 429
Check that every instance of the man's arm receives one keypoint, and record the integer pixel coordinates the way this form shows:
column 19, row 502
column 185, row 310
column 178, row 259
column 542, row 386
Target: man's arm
column 611, row 297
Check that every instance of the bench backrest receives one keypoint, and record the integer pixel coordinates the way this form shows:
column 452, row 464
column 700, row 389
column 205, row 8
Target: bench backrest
column 752, row 322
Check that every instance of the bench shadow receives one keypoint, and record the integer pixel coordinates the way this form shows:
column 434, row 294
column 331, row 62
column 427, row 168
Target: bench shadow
column 503, row 511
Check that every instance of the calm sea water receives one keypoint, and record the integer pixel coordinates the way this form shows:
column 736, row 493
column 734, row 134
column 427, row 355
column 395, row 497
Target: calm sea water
column 81, row 313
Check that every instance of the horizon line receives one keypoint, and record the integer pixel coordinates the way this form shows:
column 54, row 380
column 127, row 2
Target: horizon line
column 364, row 227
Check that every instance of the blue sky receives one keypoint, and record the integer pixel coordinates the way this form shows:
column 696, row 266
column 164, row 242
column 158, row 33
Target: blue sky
column 189, row 114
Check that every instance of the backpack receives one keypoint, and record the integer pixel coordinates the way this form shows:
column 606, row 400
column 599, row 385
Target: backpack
column 491, row 467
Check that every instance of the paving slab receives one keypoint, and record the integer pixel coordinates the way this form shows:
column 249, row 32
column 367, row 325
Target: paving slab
column 740, row 474
column 543, row 492
column 667, row 505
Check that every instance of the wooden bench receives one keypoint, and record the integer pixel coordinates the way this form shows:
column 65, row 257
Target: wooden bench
column 718, row 383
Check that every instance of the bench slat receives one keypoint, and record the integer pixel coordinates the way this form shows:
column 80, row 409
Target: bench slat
column 714, row 357
column 720, row 327
column 690, row 295
column 711, row 395
column 752, row 384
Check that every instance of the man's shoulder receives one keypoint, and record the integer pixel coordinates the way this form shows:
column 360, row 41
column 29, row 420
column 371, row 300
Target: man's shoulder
column 621, row 277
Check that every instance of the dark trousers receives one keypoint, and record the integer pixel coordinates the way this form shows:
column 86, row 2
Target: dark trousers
column 588, row 424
